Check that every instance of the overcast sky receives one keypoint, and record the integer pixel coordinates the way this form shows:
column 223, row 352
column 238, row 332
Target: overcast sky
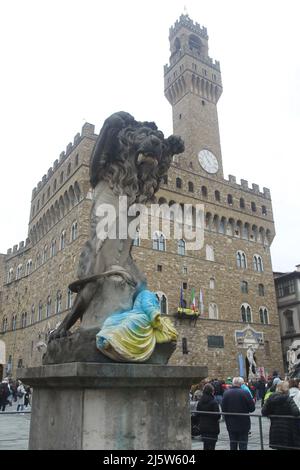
column 69, row 61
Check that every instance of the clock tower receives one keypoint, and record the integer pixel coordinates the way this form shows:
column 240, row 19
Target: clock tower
column 193, row 87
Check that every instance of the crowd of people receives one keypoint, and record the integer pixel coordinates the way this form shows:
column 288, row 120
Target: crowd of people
column 14, row 391
column 232, row 400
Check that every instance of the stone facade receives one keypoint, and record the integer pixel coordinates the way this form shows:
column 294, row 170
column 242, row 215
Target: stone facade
column 233, row 269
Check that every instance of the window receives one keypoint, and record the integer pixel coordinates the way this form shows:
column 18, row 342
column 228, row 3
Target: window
column 257, row 263
column 28, row 267
column 4, row 324
column 212, row 283
column 181, row 247
column 38, row 260
column 204, row 191
column 261, row 290
column 14, row 322
column 215, row 341
column 213, row 311
column 32, row 314
column 62, row 240
column 263, row 210
column 40, row 311
column 286, row 288
column 48, row 308
column 74, row 231
column 241, row 260
column 246, row 313
column 185, row 270
column 210, row 254
column 159, row 242
column 178, row 183
column 263, row 315
column 191, row 187
column 10, row 275
column 184, row 285
column 20, row 363
column 76, row 159
column 48, row 193
column 217, row 196
column 242, row 203
column 69, row 169
column 253, row 206
column 58, row 302
column 23, row 320
column 53, row 248
column 244, row 287
column 69, row 299
column 165, row 179
column 159, row 268
column 230, row 199
column 45, row 254
column 289, row 321
column 19, row 271
column 61, row 179
column 54, row 185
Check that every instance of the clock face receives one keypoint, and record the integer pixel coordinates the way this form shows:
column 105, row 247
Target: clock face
column 208, row 161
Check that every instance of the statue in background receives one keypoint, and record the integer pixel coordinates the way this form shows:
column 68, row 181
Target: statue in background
column 130, row 159
column 251, row 361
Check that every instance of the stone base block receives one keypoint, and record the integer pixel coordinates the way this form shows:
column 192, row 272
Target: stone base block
column 111, row 406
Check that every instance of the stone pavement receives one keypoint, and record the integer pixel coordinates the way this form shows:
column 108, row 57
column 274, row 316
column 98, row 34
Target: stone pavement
column 14, row 432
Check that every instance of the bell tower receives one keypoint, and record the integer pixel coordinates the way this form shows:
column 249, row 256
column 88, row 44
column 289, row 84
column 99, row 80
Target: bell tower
column 193, row 87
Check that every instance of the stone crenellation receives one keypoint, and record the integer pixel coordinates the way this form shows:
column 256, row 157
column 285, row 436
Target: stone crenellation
column 186, row 21
column 86, row 131
column 244, row 185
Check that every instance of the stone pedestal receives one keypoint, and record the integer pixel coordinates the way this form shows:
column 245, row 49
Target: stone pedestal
column 111, row 406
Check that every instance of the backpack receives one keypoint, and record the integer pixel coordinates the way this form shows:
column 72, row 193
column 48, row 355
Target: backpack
column 20, row 394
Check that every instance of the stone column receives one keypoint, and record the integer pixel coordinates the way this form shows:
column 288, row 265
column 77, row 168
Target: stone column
column 111, row 406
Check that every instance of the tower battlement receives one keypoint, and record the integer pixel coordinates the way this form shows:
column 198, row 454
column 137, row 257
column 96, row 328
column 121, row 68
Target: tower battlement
column 18, row 249
column 86, row 131
column 244, row 185
column 186, row 21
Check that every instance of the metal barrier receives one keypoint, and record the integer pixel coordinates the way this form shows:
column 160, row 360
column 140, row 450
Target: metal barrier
column 263, row 428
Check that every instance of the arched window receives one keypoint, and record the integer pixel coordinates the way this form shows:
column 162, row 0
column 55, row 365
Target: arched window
column 62, row 242
column 263, row 315
column 263, row 210
column 246, row 313
column 45, row 254
column 14, row 322
column 137, row 239
column 204, row 191
column 217, row 196
column 178, row 183
column 58, row 302
column 74, row 231
column 40, row 311
column 70, row 299
column 244, row 287
column 241, row 260
column 19, row 271
column 48, row 308
column 261, row 290
column 191, row 187
column 76, row 159
column 181, row 247
column 212, row 283
column 213, row 311
column 230, row 199
column 242, row 203
column 32, row 314
column 163, row 301
column 54, row 185
column 53, row 248
column 4, row 324
column 28, row 267
column 10, row 275
column 253, row 206
column 61, row 179
column 23, row 320
column 257, row 263
column 159, row 242
column 69, row 169
column 222, row 225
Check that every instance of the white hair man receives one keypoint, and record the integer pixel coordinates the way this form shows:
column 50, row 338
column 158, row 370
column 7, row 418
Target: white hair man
column 237, row 400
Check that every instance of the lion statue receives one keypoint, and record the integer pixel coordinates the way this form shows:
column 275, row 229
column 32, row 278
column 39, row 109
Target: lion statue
column 129, row 159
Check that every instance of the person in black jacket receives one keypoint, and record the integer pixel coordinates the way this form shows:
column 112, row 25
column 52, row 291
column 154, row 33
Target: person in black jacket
column 237, row 400
column 284, row 432
column 209, row 427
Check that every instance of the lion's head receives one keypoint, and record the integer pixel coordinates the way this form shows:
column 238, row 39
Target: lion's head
column 132, row 156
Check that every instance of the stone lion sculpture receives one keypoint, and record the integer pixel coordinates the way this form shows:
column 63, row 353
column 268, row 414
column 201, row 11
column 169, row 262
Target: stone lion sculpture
column 129, row 159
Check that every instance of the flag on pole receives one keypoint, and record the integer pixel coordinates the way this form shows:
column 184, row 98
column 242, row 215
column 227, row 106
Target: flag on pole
column 193, row 300
column 201, row 302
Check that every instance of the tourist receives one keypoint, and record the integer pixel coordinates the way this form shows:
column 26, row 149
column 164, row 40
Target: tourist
column 219, row 391
column 20, row 396
column 284, row 432
column 294, row 391
column 261, row 389
column 4, row 393
column 236, row 400
column 208, row 424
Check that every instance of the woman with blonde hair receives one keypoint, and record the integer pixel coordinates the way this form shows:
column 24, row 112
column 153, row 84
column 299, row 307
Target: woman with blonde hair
column 284, row 432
